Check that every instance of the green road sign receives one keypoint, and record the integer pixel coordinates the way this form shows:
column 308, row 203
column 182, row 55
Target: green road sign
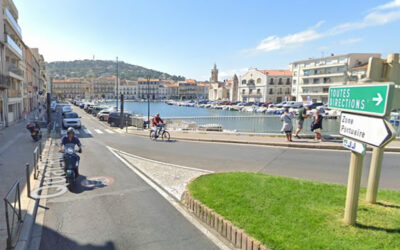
column 371, row 99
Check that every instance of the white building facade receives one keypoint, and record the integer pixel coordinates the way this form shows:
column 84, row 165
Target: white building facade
column 265, row 86
column 313, row 77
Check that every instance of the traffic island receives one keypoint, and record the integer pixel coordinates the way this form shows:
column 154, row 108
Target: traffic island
column 255, row 211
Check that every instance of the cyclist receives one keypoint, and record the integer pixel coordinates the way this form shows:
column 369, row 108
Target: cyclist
column 158, row 124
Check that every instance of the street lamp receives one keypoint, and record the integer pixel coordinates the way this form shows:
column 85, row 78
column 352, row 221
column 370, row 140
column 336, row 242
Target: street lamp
column 148, row 102
column 117, row 86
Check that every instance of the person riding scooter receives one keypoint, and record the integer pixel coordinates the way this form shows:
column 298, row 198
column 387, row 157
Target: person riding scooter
column 70, row 140
column 34, row 129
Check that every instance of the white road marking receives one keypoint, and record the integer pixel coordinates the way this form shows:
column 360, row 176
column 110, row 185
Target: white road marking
column 109, row 131
column 173, row 202
column 98, row 131
column 87, row 131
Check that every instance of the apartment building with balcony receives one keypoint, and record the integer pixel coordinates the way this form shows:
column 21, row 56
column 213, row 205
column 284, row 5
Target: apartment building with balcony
column 148, row 88
column 128, row 88
column 103, row 87
column 313, row 77
column 11, row 55
column 265, row 86
column 70, row 88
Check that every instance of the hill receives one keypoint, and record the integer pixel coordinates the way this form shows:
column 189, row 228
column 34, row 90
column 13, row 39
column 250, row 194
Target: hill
column 98, row 68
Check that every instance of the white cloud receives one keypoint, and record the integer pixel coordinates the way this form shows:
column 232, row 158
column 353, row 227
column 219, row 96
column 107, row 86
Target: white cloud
column 350, row 41
column 390, row 5
column 380, row 15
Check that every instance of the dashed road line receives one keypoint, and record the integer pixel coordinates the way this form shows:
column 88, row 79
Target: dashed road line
column 109, row 131
column 98, row 131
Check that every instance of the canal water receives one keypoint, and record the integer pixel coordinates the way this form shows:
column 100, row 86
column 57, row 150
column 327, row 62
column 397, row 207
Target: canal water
column 229, row 120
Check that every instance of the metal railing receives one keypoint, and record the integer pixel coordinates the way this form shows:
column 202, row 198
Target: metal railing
column 37, row 156
column 12, row 202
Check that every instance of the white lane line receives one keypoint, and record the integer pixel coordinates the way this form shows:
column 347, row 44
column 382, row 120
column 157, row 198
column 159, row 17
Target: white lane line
column 109, row 131
column 173, row 202
column 87, row 131
column 98, row 131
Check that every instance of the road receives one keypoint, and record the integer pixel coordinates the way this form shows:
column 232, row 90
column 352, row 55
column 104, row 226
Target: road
column 129, row 214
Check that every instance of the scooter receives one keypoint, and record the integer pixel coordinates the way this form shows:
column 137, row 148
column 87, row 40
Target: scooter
column 36, row 134
column 71, row 165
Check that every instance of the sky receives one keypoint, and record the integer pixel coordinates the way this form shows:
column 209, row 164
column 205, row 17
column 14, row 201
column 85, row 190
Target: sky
column 186, row 38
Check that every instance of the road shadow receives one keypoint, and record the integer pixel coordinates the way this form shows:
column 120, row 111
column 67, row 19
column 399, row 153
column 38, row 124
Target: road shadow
column 387, row 205
column 78, row 187
column 83, row 134
column 52, row 239
column 382, row 229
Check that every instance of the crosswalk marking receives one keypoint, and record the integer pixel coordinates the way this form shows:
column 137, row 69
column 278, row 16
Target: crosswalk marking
column 98, row 131
column 109, row 131
column 64, row 132
column 87, row 131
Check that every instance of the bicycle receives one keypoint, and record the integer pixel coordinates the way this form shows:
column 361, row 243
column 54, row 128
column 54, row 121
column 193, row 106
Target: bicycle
column 165, row 136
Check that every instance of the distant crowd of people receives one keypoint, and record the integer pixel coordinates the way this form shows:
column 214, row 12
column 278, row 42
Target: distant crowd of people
column 287, row 120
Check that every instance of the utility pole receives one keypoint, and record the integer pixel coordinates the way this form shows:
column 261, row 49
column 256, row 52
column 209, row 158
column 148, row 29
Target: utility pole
column 117, row 94
column 148, row 102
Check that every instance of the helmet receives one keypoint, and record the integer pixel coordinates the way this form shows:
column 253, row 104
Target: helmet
column 70, row 130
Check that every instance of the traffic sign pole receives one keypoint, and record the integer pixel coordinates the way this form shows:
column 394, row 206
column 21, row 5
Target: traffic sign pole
column 353, row 188
column 374, row 175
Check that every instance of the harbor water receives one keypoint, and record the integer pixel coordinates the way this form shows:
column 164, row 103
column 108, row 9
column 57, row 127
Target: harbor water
column 235, row 121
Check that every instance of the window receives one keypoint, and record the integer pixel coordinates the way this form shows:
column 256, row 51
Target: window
column 280, row 91
column 287, row 91
column 306, row 72
column 250, row 91
column 325, row 90
column 243, row 92
column 294, row 82
column 327, row 80
column 294, row 73
column 271, row 81
column 258, row 80
column 294, row 90
column 251, row 82
column 287, row 81
column 258, row 91
column 306, row 81
column 271, row 91
column 244, row 82
column 341, row 69
column 280, row 81
column 316, row 80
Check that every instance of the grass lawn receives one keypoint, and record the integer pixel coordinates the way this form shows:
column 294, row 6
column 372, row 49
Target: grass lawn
column 286, row 213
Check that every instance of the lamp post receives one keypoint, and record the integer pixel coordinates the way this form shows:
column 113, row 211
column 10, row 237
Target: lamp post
column 148, row 102
column 117, row 86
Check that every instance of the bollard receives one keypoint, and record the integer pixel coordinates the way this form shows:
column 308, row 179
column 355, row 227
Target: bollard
column 34, row 165
column 28, row 180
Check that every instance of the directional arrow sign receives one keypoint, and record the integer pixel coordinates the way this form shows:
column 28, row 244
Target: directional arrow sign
column 371, row 130
column 354, row 146
column 372, row 99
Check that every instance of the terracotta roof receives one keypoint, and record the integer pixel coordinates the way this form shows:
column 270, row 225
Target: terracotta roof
column 67, row 80
column 203, row 84
column 278, row 72
column 228, row 82
column 365, row 66
column 190, row 81
column 145, row 80
column 172, row 86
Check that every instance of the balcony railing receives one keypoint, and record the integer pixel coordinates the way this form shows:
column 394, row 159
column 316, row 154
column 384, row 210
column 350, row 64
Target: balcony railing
column 13, row 21
column 14, row 45
column 14, row 69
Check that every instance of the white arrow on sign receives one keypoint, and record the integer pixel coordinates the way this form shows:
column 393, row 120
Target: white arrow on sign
column 371, row 130
column 378, row 99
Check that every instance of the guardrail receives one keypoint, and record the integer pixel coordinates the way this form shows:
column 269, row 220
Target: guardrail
column 12, row 202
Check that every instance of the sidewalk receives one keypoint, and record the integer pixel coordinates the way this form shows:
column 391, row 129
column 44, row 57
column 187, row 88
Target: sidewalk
column 16, row 149
column 256, row 139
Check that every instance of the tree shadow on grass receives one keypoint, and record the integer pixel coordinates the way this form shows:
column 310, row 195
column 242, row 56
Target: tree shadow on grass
column 370, row 227
column 387, row 205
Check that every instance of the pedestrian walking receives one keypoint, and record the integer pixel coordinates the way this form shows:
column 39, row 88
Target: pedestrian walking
column 287, row 126
column 316, row 125
column 300, row 120
column 25, row 114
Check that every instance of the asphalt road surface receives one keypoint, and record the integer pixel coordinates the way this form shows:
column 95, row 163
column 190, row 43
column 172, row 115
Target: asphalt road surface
column 129, row 214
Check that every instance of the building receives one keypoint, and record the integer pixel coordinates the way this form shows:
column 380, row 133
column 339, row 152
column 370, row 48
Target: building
column 265, row 86
column 313, row 77
column 103, row 87
column 129, row 89
column 384, row 69
column 172, row 91
column 11, row 86
column 148, row 88
column 217, row 90
column 69, row 88
column 234, row 89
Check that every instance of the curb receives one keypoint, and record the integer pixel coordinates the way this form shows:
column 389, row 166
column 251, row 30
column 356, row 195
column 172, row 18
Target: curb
column 236, row 236
column 30, row 217
column 277, row 144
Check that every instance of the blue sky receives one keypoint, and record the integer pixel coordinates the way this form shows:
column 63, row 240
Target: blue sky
column 187, row 37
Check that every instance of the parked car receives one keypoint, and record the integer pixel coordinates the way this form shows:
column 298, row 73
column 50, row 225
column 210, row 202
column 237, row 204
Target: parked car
column 71, row 119
column 66, row 109
column 103, row 114
column 96, row 110
column 315, row 105
column 53, row 106
column 114, row 118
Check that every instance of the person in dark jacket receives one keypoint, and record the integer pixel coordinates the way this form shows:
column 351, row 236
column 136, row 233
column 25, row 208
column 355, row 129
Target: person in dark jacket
column 316, row 125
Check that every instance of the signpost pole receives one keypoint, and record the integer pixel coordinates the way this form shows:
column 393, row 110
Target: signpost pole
column 374, row 175
column 353, row 188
